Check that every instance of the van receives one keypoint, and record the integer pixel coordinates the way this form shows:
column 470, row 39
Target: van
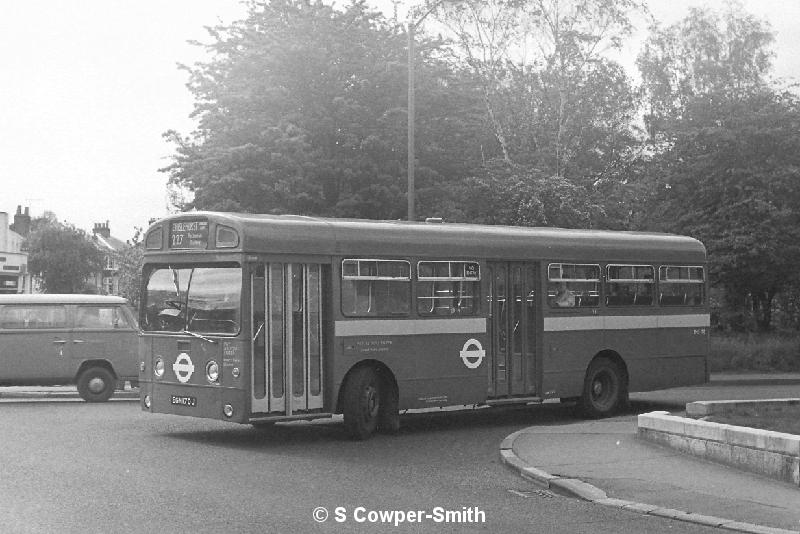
column 86, row 340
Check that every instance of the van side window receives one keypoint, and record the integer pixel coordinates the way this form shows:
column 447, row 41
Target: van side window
column 32, row 317
column 100, row 317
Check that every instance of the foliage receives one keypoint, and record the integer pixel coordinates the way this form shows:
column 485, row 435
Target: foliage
column 61, row 256
column 522, row 118
column 302, row 110
column 764, row 352
column 728, row 153
column 558, row 107
column 703, row 60
column 129, row 261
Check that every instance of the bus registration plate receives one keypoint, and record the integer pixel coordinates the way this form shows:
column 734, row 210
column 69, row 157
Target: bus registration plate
column 183, row 400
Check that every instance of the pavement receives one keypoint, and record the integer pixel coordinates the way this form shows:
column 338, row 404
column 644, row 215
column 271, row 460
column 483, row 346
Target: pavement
column 603, row 461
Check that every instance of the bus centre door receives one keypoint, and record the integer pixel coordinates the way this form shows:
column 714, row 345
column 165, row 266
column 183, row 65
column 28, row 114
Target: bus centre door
column 286, row 340
column 512, row 329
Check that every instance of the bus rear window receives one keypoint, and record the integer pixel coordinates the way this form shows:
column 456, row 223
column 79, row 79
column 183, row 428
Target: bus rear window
column 198, row 299
column 681, row 285
column 571, row 285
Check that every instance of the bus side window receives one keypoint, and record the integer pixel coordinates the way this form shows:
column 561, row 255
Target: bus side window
column 629, row 285
column 572, row 285
column 376, row 288
column 448, row 287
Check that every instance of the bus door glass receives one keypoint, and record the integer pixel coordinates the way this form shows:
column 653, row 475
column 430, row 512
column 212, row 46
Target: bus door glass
column 286, row 338
column 512, row 329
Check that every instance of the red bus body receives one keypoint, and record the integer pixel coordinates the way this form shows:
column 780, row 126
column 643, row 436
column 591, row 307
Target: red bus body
column 403, row 316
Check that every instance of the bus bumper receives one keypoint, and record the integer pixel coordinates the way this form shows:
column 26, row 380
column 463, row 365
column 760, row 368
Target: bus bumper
column 226, row 404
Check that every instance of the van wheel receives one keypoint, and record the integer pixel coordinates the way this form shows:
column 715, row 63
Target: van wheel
column 362, row 403
column 96, row 384
column 604, row 389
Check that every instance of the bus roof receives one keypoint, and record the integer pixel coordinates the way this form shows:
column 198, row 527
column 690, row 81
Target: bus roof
column 294, row 234
column 57, row 298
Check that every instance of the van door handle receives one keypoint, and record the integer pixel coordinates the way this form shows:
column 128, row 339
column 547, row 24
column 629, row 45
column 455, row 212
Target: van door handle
column 78, row 341
column 59, row 341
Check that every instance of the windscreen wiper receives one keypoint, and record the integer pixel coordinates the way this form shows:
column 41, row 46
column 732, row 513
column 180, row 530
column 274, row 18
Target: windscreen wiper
column 198, row 336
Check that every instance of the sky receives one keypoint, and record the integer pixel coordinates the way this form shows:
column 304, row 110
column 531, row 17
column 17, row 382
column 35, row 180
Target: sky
column 88, row 88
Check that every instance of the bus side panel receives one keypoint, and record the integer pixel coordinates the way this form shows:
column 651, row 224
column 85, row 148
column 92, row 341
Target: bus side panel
column 429, row 369
column 565, row 359
column 666, row 372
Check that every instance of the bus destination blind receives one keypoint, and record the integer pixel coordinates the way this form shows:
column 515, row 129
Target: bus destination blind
column 188, row 235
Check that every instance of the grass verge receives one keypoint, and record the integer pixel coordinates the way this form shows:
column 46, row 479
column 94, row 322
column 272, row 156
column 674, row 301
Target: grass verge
column 754, row 352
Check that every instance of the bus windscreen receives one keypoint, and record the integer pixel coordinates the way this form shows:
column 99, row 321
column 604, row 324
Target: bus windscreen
column 196, row 299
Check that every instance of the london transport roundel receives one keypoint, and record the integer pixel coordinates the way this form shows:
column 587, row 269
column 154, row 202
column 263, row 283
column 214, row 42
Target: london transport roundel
column 183, row 368
column 472, row 354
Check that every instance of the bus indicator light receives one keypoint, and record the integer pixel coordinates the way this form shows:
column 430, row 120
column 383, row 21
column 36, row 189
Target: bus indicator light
column 212, row 372
column 158, row 367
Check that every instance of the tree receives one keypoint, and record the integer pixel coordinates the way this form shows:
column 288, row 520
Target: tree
column 302, row 110
column 559, row 108
column 554, row 99
column 61, row 256
column 727, row 153
column 701, row 62
column 129, row 262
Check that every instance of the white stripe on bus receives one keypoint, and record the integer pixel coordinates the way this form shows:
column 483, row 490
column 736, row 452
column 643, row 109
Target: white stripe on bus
column 626, row 322
column 407, row 327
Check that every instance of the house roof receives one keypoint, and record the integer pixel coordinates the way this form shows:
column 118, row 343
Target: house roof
column 109, row 243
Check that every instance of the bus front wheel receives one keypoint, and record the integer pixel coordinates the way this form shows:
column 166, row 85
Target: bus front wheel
column 96, row 384
column 604, row 389
column 362, row 403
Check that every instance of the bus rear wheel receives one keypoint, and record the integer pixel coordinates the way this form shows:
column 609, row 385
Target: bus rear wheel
column 362, row 403
column 96, row 384
column 604, row 389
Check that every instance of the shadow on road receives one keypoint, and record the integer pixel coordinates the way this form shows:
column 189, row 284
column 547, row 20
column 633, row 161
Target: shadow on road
column 498, row 421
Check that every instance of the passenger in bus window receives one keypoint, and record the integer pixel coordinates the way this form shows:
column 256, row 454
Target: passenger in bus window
column 564, row 298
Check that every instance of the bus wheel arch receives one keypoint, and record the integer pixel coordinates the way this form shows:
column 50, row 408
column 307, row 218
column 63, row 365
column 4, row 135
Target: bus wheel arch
column 605, row 386
column 96, row 380
column 369, row 399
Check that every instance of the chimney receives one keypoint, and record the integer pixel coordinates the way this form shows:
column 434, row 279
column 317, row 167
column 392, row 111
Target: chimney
column 102, row 229
column 22, row 222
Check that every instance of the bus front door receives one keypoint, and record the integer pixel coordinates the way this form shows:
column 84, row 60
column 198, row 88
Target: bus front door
column 512, row 329
column 286, row 334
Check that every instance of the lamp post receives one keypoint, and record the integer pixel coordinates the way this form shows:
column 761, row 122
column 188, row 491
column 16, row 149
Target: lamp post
column 412, row 26
column 410, row 119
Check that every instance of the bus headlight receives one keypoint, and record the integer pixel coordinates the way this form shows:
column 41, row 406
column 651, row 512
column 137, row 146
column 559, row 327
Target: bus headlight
column 212, row 372
column 158, row 367
column 147, row 401
column 228, row 410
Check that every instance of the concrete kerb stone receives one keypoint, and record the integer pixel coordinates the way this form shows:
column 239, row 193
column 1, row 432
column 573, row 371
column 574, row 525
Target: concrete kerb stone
column 774, row 454
column 572, row 487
